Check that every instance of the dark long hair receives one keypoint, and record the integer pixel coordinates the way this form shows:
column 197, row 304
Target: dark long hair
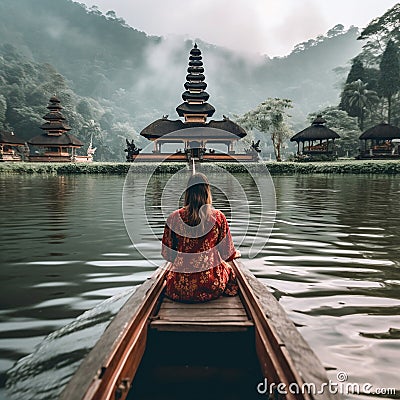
column 198, row 199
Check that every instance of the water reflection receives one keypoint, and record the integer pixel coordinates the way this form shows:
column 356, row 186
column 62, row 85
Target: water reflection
column 331, row 260
column 336, row 275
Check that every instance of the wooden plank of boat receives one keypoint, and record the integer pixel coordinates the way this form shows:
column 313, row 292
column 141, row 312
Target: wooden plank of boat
column 253, row 319
column 225, row 314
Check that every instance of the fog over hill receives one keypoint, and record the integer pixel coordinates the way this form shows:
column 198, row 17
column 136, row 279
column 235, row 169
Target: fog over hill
column 124, row 79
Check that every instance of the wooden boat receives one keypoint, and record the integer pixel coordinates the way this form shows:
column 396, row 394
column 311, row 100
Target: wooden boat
column 229, row 348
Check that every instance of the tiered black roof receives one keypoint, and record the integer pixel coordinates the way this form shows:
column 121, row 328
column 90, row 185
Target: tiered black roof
column 64, row 140
column 195, row 88
column 54, row 116
column 195, row 85
column 195, row 104
column 317, row 131
column 55, row 129
column 55, row 124
column 54, row 104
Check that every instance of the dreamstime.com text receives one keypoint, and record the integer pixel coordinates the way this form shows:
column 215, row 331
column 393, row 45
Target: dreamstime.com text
column 339, row 387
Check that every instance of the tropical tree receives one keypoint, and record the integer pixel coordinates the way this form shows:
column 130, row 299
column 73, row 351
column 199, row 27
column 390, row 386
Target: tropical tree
column 378, row 33
column 389, row 81
column 270, row 117
column 3, row 109
column 89, row 130
column 356, row 96
column 395, row 117
column 356, row 72
column 335, row 31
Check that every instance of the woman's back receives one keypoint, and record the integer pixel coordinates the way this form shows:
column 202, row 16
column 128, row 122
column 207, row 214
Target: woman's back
column 194, row 250
column 198, row 242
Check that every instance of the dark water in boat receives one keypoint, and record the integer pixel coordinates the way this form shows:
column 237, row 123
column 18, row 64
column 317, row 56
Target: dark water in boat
column 332, row 261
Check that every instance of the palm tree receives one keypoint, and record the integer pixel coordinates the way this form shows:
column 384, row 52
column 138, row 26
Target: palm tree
column 357, row 96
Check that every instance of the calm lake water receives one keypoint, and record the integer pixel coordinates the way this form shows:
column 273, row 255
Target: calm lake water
column 332, row 260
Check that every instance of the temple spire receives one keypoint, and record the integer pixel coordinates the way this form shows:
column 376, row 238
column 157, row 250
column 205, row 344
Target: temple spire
column 55, row 124
column 195, row 108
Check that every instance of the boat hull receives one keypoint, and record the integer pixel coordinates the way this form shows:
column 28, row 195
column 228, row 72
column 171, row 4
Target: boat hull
column 232, row 347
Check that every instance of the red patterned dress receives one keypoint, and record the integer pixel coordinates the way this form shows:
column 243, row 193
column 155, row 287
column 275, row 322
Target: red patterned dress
column 199, row 264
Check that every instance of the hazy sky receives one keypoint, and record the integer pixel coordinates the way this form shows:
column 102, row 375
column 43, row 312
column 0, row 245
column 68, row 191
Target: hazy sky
column 272, row 27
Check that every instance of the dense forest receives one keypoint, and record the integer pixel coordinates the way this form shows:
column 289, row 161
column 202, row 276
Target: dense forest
column 371, row 93
column 113, row 80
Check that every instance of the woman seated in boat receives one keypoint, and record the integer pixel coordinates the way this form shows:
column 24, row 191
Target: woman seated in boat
column 198, row 243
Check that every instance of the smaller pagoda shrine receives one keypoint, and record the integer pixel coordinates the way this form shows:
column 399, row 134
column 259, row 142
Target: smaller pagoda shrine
column 56, row 144
column 194, row 137
column 12, row 148
column 380, row 142
column 316, row 140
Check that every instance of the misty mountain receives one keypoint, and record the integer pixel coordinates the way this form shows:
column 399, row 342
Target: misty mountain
column 127, row 78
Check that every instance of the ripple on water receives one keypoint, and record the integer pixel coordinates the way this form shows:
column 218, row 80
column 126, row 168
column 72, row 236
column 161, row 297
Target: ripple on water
column 60, row 353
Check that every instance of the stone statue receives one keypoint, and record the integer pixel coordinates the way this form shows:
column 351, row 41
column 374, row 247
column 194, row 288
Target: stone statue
column 132, row 150
column 256, row 146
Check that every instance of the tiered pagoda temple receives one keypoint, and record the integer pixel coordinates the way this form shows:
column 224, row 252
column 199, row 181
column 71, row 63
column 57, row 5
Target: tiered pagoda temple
column 316, row 140
column 56, row 144
column 194, row 136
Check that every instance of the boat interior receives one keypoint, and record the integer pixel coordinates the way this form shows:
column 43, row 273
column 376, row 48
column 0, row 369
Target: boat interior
column 199, row 351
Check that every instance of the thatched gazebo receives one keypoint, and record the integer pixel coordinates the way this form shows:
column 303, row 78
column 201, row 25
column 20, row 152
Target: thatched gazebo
column 317, row 139
column 380, row 141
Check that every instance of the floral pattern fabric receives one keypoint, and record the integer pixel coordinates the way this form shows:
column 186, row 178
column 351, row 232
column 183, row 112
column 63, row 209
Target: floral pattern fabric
column 199, row 264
